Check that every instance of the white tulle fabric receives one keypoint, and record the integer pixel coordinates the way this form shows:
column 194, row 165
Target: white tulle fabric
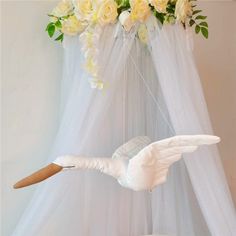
column 150, row 91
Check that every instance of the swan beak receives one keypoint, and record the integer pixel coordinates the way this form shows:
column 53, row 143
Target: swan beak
column 39, row 175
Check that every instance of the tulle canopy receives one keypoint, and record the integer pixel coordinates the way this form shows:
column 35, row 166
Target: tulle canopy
column 150, row 90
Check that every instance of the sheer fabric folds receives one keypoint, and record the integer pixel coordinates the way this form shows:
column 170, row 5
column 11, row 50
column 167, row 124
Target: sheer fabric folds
column 151, row 90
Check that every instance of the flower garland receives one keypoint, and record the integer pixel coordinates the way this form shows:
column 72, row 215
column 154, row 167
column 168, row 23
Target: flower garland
column 71, row 17
column 87, row 17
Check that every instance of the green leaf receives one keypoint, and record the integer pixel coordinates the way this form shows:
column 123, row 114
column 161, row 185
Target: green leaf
column 196, row 12
column 204, row 32
column 51, row 15
column 170, row 10
column 191, row 22
column 204, row 24
column 51, row 30
column 58, row 24
column 49, row 25
column 197, row 29
column 160, row 16
column 200, row 17
column 65, row 17
column 60, row 38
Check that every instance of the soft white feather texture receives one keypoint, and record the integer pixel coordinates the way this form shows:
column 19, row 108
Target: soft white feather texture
column 137, row 164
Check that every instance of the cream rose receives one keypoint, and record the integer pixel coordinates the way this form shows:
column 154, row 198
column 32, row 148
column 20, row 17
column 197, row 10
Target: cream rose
column 72, row 26
column 159, row 5
column 63, row 8
column 107, row 12
column 126, row 21
column 183, row 9
column 140, row 10
column 84, row 9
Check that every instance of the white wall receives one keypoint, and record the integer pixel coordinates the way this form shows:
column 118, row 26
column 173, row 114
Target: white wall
column 31, row 74
column 216, row 61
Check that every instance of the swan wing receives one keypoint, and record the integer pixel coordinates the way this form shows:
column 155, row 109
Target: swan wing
column 132, row 147
column 150, row 166
column 167, row 149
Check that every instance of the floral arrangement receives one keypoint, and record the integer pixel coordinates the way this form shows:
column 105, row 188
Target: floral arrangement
column 87, row 17
column 73, row 16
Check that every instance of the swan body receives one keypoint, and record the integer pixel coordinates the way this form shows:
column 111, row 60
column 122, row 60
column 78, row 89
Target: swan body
column 140, row 164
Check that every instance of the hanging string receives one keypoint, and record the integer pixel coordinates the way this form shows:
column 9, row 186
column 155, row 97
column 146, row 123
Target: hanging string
column 124, row 107
column 152, row 95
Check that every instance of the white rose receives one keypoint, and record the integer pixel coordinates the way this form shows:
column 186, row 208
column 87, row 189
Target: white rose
column 84, row 9
column 72, row 26
column 107, row 12
column 140, row 10
column 63, row 8
column 126, row 21
column 183, row 9
column 159, row 5
column 143, row 33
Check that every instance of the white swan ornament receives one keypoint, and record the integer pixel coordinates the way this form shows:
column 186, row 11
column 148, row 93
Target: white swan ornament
column 138, row 164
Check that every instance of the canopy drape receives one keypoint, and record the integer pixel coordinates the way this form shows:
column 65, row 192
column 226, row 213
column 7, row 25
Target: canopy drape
column 151, row 90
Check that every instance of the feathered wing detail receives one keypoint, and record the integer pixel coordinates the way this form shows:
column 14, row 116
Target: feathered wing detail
column 150, row 166
column 167, row 148
column 132, row 147
column 187, row 140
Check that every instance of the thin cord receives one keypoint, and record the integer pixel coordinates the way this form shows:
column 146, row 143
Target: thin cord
column 124, row 107
column 153, row 97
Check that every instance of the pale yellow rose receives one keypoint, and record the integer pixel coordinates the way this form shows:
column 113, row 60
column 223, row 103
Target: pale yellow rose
column 125, row 20
column 97, row 84
column 183, row 9
column 72, row 26
column 87, row 39
column 90, row 38
column 63, row 8
column 91, row 66
column 107, row 12
column 143, row 33
column 84, row 9
column 159, row 5
column 140, row 10
column 91, row 53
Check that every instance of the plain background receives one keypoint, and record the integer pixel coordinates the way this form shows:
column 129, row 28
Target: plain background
column 31, row 74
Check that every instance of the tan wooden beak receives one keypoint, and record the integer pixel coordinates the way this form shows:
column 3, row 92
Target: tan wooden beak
column 39, row 176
